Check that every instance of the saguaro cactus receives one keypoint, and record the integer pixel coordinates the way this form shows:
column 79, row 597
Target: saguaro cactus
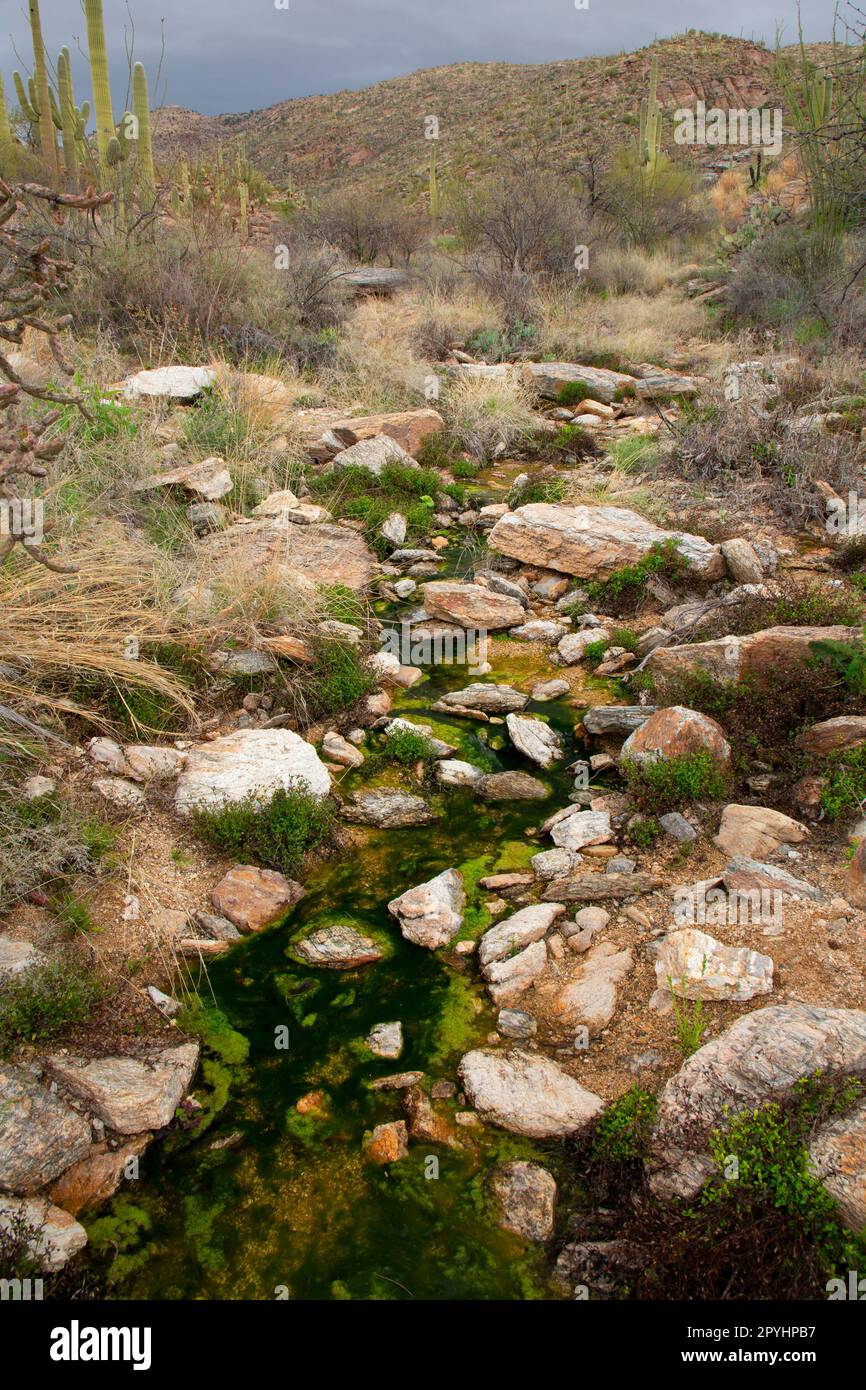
column 42, row 93
column 433, row 183
column 819, row 100
column 68, row 115
column 141, row 108
column 650, row 134
column 8, row 152
column 99, row 76
column 244, row 201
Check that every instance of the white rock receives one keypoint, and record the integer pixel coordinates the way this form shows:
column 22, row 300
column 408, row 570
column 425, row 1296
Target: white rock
column 339, row 750
column 527, row 1094
column 517, row 931
column 250, row 762
column 696, row 964
column 452, row 772
column 580, row 828
column 431, row 914
column 178, row 383
column 386, row 1040
column 534, row 739
column 57, row 1235
column 574, row 644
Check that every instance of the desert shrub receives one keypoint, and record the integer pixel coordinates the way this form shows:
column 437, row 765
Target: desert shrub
column 357, row 493
column 522, row 224
column 803, row 281
column 405, row 747
column 847, row 658
column 38, row 1004
column 797, row 603
column 433, row 338
column 367, row 229
column 277, row 835
column 489, row 417
column 622, row 1134
column 845, row 792
column 666, row 783
column 623, row 587
column 643, row 831
column 40, row 841
column 515, row 340
column 337, row 676
column 761, row 456
column 652, row 209
column 310, row 276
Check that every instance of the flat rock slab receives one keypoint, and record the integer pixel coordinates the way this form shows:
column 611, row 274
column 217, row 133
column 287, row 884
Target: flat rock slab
column 517, row 931
column 612, row 720
column 431, row 914
column 40, row 1134
column 511, row 786
column 760, row 654
column 590, row 542
column 484, row 696
column 254, row 898
column 129, row 1095
column 470, row 605
column 754, row 832
column 339, row 947
column 525, row 1195
column 386, row 809
column 507, row 979
column 751, row 876
column 169, row 383
column 847, row 731
column 313, row 552
column 527, row 1094
column 249, row 763
column 549, row 378
column 209, row 479
column 578, row 829
column 759, row 1059
column 599, row 888
column 589, row 998
column 373, row 455
column 695, row 965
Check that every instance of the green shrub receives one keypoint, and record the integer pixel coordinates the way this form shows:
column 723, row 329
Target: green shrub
column 848, row 658
column 337, row 676
column 666, row 783
column 573, row 392
column 277, row 835
column 405, row 747
column 623, row 587
column 644, row 832
column 622, row 1134
column 594, row 652
column 36, row 1005
column 845, row 791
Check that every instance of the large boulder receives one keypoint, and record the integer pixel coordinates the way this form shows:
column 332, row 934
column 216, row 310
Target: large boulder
column 695, row 965
column 249, row 763
column 408, row 427
column 838, row 1154
column 129, row 1094
column 590, row 542
column 527, row 1094
column 759, row 1059
column 525, row 1196
column 757, row 831
column 535, row 739
column 549, row 378
column 254, row 898
column 760, row 654
column 675, row 732
column 512, row 976
column 470, row 605
column 386, row 808
column 169, row 383
column 589, row 998
column 431, row 914
column 40, row 1134
column 846, row 731
column 303, row 556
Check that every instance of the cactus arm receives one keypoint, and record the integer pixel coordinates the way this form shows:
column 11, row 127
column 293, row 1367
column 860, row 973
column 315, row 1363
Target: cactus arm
column 141, row 107
column 42, row 103
column 105, row 132
column 27, row 109
column 68, row 115
column 8, row 152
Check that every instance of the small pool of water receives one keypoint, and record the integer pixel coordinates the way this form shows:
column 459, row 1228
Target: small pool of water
column 267, row 1203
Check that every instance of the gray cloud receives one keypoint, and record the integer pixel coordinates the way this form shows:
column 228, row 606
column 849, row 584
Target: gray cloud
column 224, row 56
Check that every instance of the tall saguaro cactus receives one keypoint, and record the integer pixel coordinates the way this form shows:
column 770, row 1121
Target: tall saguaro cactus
column 8, row 153
column 68, row 115
column 141, row 109
column 103, row 110
column 650, row 134
column 42, row 93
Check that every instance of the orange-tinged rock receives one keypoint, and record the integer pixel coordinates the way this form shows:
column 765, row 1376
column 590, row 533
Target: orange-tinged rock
column 674, row 732
column 254, row 898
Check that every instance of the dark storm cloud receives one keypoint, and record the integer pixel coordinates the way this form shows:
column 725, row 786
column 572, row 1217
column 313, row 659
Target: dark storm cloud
column 234, row 55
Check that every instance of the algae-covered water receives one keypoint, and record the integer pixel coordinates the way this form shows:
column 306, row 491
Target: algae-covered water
column 268, row 1202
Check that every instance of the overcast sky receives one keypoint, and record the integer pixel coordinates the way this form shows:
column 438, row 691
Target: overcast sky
column 236, row 55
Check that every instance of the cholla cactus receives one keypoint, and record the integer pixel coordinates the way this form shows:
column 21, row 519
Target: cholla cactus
column 30, row 277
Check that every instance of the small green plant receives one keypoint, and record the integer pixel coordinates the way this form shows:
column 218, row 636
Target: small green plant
column 689, row 1016
column 624, row 637
column 337, row 678
column 69, row 909
column 405, row 747
column 848, row 658
column 845, row 789
column 622, row 1134
column 638, row 453
column 573, row 392
column 38, row 1004
column 277, row 835
column 109, row 418
column 663, row 784
column 644, row 832
column 593, row 652
column 623, row 587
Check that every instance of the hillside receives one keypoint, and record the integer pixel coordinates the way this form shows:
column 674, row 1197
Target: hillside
column 486, row 112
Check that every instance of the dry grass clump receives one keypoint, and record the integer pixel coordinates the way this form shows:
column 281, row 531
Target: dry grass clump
column 489, row 417
column 67, row 638
column 624, row 328
column 630, row 270
column 374, row 365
